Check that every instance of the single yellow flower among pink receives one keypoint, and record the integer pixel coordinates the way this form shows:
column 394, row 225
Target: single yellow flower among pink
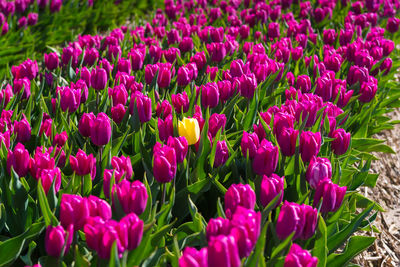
column 190, row 129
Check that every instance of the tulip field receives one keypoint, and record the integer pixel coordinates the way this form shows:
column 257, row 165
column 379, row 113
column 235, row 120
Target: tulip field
column 196, row 133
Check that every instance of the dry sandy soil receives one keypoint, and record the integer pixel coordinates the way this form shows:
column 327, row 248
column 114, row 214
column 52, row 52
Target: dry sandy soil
column 386, row 250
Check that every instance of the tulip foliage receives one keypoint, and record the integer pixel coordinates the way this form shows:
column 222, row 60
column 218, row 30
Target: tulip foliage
column 212, row 134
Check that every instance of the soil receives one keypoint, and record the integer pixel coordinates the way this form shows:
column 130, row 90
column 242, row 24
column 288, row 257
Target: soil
column 386, row 250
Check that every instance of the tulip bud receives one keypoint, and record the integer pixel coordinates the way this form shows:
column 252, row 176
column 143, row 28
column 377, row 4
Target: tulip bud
column 180, row 144
column 199, row 59
column 90, row 57
column 318, row 169
column 108, row 174
column 55, row 6
column 192, row 257
column 100, row 133
column 143, row 105
column 183, row 78
column 74, row 210
column 23, row 130
column 221, row 154
column 123, row 164
column 22, row 84
column 209, row 95
column 217, row 52
column 19, row 160
column 301, row 219
column 215, row 123
column 368, row 91
column 247, row 85
column 70, row 99
column 46, row 178
column 131, row 196
column 98, row 78
column 134, row 231
column 342, row 141
column 86, row 123
column 58, row 240
column 5, row 139
column 239, row 195
column 186, row 44
column 51, row 61
column 223, row 252
column 357, row 74
column 164, row 164
column 118, row 94
column 270, row 188
column 163, row 109
column 180, row 102
column 310, row 144
column 189, row 128
column 32, row 19
column 266, row 159
column 164, row 76
column 225, row 90
column 6, row 94
column 124, row 65
column 99, row 208
column 118, row 113
column 392, row 25
column 83, row 164
column 273, row 30
column 300, row 257
column 165, row 128
column 137, row 59
column 249, row 144
column 329, row 36
column 303, row 83
column 287, row 141
column 42, row 160
column 332, row 195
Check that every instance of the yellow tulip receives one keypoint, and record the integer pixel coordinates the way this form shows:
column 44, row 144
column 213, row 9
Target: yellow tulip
column 190, row 129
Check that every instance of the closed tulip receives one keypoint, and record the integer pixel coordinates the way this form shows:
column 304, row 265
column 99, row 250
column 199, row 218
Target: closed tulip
column 51, row 61
column 298, row 257
column 165, row 128
column 74, row 210
column 180, row 102
column 46, row 178
column 118, row 113
column 100, row 133
column 118, row 94
column 183, row 76
column 70, row 99
column 223, row 252
column 143, row 105
column 58, row 240
column 215, row 123
column 86, row 123
column 209, row 95
column 239, row 195
column 164, row 76
column 164, row 163
column 221, row 154
column 22, row 129
column 332, row 195
column 99, row 208
column 19, row 160
column 287, row 139
column 83, row 164
column 249, row 144
column 192, row 257
column 189, row 128
column 98, row 78
column 247, row 85
column 310, row 144
column 270, row 187
column 318, row 169
column 266, row 159
column 180, row 144
column 303, row 83
column 123, row 164
column 130, row 230
column 131, row 196
column 342, row 141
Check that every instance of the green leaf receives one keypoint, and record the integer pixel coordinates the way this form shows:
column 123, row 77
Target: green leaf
column 12, row 248
column 79, row 259
column 320, row 247
column 340, row 237
column 114, row 259
column 48, row 215
column 356, row 245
